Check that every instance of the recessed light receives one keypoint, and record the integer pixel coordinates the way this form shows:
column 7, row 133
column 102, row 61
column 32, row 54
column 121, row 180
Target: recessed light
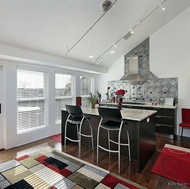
column 112, row 52
column 91, row 56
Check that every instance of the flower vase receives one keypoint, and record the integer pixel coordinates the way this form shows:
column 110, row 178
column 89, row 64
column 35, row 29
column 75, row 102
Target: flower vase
column 92, row 105
column 120, row 102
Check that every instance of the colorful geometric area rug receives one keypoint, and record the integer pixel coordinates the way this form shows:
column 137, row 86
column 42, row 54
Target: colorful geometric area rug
column 52, row 169
column 174, row 163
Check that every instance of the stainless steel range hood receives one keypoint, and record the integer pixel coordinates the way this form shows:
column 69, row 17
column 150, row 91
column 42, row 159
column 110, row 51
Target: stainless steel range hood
column 133, row 73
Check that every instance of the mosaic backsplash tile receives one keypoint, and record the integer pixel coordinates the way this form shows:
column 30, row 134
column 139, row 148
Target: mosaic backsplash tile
column 154, row 89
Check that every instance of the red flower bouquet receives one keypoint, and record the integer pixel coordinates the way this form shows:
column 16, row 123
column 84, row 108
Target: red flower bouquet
column 120, row 93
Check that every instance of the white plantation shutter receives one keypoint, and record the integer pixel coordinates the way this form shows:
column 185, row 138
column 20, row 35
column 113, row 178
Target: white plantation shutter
column 30, row 100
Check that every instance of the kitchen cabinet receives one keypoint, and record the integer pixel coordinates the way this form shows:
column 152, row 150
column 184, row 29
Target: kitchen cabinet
column 166, row 117
column 166, row 120
column 132, row 106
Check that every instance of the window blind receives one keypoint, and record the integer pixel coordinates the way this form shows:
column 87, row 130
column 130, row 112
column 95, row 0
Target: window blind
column 30, row 100
column 63, row 93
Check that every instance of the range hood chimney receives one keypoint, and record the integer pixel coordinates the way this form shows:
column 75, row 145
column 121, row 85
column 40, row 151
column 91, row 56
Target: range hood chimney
column 133, row 71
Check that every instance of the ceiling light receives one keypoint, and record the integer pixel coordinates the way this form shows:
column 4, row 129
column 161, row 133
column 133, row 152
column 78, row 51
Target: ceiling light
column 112, row 52
column 115, row 45
column 107, row 4
column 91, row 57
column 127, row 35
column 162, row 8
column 132, row 32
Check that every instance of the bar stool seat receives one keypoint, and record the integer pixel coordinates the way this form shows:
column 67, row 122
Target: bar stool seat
column 76, row 118
column 111, row 120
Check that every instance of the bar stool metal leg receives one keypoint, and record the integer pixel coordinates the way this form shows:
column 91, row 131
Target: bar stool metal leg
column 129, row 146
column 91, row 134
column 65, row 135
column 98, row 138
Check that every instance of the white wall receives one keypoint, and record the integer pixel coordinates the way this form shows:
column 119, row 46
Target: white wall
column 9, row 105
column 115, row 72
column 170, row 57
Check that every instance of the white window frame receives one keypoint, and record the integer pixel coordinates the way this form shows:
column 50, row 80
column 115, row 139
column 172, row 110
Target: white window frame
column 45, row 72
column 92, row 86
column 65, row 97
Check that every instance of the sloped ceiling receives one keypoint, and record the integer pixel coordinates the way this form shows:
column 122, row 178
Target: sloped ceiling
column 54, row 26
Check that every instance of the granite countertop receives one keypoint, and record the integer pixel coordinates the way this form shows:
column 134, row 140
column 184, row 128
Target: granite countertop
column 127, row 113
column 145, row 105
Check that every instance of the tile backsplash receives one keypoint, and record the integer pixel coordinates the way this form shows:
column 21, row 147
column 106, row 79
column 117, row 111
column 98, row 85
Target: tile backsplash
column 154, row 89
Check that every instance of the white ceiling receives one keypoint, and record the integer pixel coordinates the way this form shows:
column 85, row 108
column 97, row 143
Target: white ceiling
column 54, row 26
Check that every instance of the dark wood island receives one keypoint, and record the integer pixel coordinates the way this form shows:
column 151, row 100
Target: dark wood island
column 142, row 129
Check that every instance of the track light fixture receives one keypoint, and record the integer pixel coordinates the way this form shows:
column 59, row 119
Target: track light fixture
column 107, row 4
column 115, row 45
column 91, row 56
column 161, row 7
column 128, row 34
column 131, row 31
column 112, row 52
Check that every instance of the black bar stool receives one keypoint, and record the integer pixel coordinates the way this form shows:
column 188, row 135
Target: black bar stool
column 76, row 118
column 111, row 120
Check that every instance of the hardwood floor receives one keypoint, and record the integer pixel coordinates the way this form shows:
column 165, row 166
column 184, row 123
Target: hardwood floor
column 128, row 171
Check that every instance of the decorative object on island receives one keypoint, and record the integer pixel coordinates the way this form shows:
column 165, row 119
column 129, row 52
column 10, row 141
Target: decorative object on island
column 93, row 99
column 99, row 97
column 78, row 101
column 107, row 94
column 120, row 93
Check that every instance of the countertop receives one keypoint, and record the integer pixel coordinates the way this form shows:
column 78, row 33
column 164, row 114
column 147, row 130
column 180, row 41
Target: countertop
column 127, row 113
column 148, row 105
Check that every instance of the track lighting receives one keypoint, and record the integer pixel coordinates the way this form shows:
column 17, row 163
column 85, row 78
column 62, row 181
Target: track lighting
column 112, row 52
column 91, row 56
column 132, row 32
column 107, row 4
column 161, row 7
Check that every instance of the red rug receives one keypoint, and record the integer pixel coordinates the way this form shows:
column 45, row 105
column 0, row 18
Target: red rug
column 174, row 163
column 56, row 137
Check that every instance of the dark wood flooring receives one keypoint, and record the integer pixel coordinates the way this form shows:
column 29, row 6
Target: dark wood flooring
column 128, row 171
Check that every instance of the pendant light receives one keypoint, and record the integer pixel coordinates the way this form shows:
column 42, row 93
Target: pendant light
column 112, row 36
column 91, row 56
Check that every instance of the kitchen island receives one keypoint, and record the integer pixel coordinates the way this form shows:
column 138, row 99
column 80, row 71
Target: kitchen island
column 142, row 130
column 166, row 117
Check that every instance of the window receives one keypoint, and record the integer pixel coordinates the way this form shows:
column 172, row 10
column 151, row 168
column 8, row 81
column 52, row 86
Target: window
column 86, row 87
column 63, row 93
column 30, row 100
